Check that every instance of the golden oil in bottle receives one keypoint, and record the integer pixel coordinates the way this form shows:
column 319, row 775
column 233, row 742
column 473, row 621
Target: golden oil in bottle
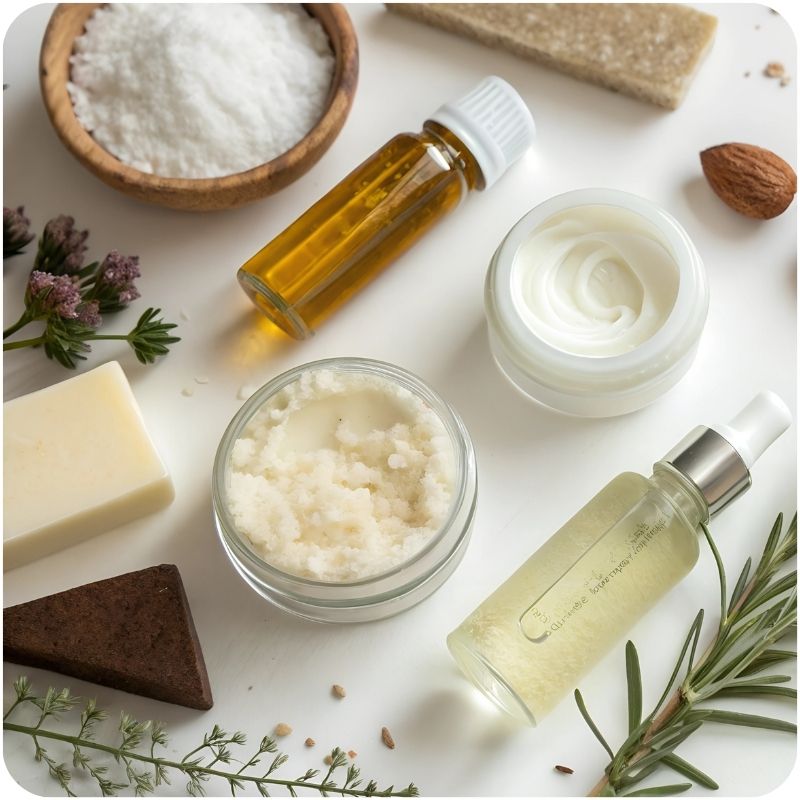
column 381, row 208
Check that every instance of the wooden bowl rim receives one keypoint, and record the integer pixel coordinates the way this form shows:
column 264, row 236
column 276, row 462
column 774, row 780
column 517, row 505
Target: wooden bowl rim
column 86, row 148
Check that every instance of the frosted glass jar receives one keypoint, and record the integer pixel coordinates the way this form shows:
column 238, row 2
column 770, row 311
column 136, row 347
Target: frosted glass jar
column 585, row 383
column 379, row 595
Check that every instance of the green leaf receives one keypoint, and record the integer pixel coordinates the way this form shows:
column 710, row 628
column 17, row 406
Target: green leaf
column 769, row 592
column 691, row 638
column 740, row 584
column 634, row 675
column 771, row 545
column 750, row 720
column 723, row 591
column 688, row 770
column 757, row 689
column 767, row 659
column 660, row 791
column 590, row 722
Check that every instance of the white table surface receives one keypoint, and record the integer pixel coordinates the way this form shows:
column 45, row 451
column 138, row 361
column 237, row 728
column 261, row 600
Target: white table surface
column 425, row 313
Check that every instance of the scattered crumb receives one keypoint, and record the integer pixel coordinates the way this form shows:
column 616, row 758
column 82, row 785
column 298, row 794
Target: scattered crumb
column 249, row 688
column 774, row 70
column 747, row 74
column 387, row 738
column 328, row 759
column 245, row 391
column 786, row 80
column 309, row 742
column 565, row 770
column 758, row 27
column 338, row 690
column 282, row 729
column 201, row 379
column 184, row 314
column 352, row 754
column 187, row 391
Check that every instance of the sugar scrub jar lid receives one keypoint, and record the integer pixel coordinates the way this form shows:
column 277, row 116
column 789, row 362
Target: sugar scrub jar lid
column 580, row 377
column 335, row 419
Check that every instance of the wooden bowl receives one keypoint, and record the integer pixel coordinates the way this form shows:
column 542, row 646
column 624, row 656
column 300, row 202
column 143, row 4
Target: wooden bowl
column 195, row 194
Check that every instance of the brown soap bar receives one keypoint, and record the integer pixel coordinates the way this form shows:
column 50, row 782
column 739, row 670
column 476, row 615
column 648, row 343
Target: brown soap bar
column 650, row 51
column 133, row 632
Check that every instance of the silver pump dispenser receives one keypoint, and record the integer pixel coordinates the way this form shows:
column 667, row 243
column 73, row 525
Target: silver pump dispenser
column 718, row 460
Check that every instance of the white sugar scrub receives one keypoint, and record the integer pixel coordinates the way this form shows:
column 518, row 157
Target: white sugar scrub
column 200, row 90
column 340, row 476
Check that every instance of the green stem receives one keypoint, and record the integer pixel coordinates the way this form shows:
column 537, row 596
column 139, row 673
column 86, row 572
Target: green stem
column 181, row 767
column 20, row 323
column 37, row 340
column 123, row 336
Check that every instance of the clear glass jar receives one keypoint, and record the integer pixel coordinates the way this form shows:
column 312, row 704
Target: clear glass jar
column 380, row 595
column 590, row 385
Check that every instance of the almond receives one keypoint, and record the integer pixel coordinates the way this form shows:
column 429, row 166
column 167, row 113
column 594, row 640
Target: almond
column 751, row 180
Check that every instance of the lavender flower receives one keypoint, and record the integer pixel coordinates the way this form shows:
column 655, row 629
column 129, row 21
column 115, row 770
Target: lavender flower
column 16, row 231
column 89, row 314
column 61, row 248
column 53, row 294
column 114, row 285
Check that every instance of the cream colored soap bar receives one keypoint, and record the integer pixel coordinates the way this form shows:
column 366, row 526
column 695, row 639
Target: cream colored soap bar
column 77, row 462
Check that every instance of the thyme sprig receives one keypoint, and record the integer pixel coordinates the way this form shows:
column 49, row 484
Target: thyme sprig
column 141, row 770
column 760, row 611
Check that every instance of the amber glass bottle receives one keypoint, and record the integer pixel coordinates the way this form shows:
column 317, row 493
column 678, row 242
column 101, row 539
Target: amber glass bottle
column 381, row 208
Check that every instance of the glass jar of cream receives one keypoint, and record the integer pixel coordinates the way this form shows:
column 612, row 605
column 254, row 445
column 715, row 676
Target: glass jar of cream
column 595, row 301
column 344, row 490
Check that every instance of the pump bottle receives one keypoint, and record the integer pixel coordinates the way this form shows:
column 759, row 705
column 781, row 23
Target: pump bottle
column 528, row 644
column 385, row 205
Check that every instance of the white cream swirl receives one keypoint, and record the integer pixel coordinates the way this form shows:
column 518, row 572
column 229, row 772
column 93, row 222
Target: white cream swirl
column 595, row 280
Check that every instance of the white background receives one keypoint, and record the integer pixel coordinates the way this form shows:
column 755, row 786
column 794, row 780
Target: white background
column 535, row 468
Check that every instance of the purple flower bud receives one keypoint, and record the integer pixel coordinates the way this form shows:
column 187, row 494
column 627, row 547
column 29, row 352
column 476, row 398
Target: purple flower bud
column 16, row 231
column 89, row 314
column 116, row 276
column 54, row 294
column 62, row 248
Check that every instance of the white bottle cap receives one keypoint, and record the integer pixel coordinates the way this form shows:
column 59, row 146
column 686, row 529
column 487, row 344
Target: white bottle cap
column 493, row 122
column 717, row 460
column 757, row 426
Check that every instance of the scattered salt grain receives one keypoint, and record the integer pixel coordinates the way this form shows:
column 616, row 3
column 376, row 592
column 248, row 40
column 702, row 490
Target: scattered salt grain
column 201, row 379
column 198, row 90
column 187, row 391
column 246, row 390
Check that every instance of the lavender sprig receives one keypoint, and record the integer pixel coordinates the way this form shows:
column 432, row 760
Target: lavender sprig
column 16, row 231
column 62, row 248
column 112, row 285
column 70, row 299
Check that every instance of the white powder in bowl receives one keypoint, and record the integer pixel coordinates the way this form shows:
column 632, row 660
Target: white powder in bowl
column 200, row 91
column 341, row 476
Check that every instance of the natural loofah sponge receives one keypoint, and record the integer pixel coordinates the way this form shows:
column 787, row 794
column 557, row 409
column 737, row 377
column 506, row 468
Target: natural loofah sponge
column 649, row 51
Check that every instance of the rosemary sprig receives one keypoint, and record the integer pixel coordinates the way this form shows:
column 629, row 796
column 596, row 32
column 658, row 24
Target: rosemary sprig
column 143, row 771
column 761, row 610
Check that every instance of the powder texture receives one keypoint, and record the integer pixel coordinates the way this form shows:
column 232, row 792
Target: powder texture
column 199, row 91
column 341, row 476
